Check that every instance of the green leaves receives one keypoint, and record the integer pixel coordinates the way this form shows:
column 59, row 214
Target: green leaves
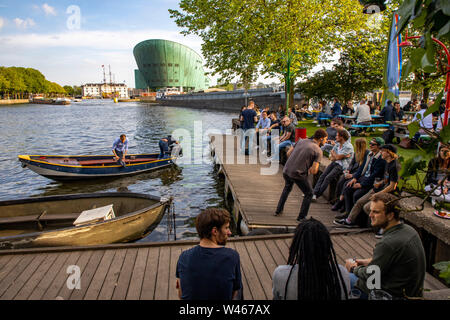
column 444, row 268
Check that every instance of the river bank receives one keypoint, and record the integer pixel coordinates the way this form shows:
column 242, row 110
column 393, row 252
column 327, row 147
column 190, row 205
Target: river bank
column 8, row 102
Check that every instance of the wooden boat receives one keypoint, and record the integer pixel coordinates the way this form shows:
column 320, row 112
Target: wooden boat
column 89, row 167
column 49, row 221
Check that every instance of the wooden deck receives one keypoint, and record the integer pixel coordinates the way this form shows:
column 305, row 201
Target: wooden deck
column 146, row 271
column 255, row 195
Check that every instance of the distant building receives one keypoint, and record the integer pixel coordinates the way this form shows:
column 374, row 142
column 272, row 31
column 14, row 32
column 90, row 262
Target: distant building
column 98, row 90
column 167, row 64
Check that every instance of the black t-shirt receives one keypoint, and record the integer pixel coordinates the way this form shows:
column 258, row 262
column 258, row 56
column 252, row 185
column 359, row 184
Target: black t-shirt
column 390, row 174
column 290, row 128
column 249, row 118
column 209, row 273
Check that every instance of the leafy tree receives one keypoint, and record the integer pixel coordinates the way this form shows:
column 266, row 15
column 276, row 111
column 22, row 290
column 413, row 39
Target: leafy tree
column 242, row 37
column 69, row 90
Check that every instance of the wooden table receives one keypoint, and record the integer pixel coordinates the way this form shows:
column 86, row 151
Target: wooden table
column 401, row 129
column 409, row 114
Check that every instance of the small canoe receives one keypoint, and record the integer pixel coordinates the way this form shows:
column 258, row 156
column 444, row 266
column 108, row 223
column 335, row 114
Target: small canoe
column 89, row 167
column 49, row 221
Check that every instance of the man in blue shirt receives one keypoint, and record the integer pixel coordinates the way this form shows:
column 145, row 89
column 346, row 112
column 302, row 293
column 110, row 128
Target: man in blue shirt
column 164, row 145
column 336, row 110
column 388, row 112
column 262, row 126
column 249, row 118
column 120, row 149
column 210, row 271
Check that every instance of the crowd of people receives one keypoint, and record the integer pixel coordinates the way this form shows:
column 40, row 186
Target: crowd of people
column 365, row 175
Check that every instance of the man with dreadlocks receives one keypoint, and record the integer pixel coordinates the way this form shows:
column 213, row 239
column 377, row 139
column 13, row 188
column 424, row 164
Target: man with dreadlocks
column 312, row 272
column 399, row 255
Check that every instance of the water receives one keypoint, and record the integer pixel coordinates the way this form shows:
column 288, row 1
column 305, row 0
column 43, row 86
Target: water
column 90, row 127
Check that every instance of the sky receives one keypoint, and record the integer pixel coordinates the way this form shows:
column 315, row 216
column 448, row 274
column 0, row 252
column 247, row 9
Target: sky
column 70, row 40
column 70, row 48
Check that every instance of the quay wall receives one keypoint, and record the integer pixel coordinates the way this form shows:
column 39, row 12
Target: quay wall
column 234, row 104
column 14, row 101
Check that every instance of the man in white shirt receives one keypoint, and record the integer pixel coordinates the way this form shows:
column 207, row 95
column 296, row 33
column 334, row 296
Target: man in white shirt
column 424, row 123
column 363, row 113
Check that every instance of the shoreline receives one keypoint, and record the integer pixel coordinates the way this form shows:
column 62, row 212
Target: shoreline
column 8, row 102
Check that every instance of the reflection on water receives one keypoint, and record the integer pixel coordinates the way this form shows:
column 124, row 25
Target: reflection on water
column 90, row 127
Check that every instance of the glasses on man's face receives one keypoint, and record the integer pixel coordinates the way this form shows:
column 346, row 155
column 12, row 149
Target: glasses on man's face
column 373, row 144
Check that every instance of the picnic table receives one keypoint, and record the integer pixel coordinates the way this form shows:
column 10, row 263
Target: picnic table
column 351, row 120
column 401, row 129
column 409, row 114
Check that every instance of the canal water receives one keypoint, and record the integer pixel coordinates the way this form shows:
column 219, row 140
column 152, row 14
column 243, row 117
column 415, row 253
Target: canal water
column 90, row 127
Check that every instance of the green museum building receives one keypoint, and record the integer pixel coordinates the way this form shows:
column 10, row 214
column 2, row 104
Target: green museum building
column 168, row 64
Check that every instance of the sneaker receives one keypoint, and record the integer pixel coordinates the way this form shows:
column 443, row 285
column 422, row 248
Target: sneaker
column 337, row 206
column 264, row 152
column 315, row 121
column 318, row 126
column 379, row 234
column 278, row 214
column 314, row 198
column 341, row 216
column 344, row 223
column 300, row 220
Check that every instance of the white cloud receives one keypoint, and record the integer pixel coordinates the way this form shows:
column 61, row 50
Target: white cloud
column 49, row 10
column 2, row 23
column 24, row 24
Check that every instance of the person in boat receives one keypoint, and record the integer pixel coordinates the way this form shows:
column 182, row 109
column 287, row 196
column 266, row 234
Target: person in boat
column 165, row 145
column 210, row 271
column 120, row 149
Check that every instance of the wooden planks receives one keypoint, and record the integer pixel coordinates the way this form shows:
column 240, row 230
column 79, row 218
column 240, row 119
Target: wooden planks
column 149, row 272
column 258, row 203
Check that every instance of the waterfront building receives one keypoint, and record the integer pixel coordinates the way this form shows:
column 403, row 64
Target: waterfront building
column 167, row 64
column 103, row 90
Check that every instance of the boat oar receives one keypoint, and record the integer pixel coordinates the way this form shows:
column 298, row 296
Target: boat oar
column 40, row 227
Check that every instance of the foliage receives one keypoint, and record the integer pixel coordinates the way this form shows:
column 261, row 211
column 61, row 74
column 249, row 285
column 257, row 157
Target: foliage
column 16, row 80
column 444, row 268
column 242, row 37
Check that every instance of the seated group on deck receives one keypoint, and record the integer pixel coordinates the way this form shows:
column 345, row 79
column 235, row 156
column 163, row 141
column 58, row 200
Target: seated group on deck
column 211, row 271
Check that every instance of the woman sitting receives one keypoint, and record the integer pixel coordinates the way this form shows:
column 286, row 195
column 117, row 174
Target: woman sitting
column 436, row 179
column 319, row 276
column 358, row 159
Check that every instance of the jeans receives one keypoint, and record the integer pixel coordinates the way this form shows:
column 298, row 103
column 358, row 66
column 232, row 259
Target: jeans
column 331, row 173
column 248, row 134
column 359, row 205
column 163, row 148
column 282, row 145
column 304, row 186
column 355, row 291
column 352, row 195
column 120, row 155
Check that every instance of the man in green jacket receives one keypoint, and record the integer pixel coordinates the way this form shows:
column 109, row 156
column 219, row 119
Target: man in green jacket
column 398, row 264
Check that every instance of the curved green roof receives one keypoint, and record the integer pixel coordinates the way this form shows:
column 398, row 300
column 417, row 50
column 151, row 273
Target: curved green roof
column 164, row 63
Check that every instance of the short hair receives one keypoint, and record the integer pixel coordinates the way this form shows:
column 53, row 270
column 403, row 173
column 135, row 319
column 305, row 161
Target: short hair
column 210, row 218
column 319, row 134
column 338, row 121
column 396, row 102
column 343, row 134
column 390, row 203
column 122, row 136
column 264, row 112
column 389, row 102
column 423, row 106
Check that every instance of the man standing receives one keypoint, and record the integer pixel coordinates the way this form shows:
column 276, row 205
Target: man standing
column 336, row 110
column 120, row 149
column 304, row 160
column 210, row 271
column 164, row 145
column 249, row 118
column 399, row 255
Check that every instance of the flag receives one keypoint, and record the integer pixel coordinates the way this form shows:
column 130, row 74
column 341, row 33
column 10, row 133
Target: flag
column 393, row 66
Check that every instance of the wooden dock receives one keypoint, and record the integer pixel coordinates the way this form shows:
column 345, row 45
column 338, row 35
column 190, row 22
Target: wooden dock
column 146, row 271
column 255, row 195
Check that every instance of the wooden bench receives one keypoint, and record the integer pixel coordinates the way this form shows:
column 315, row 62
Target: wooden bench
column 38, row 217
column 378, row 125
column 112, row 161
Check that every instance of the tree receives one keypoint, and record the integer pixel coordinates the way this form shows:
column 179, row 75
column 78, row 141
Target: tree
column 243, row 36
column 69, row 90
